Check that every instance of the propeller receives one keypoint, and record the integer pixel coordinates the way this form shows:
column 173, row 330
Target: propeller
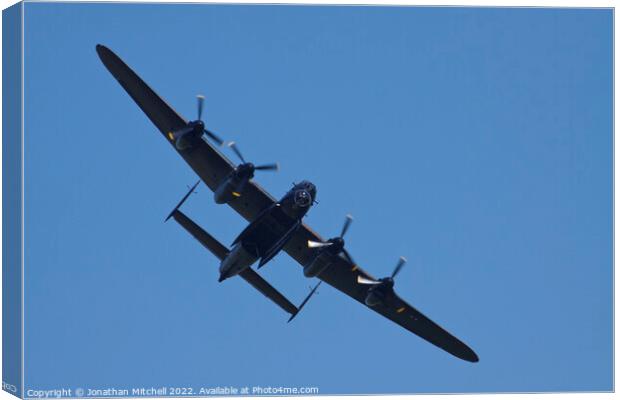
column 336, row 245
column 201, row 102
column 390, row 279
column 249, row 166
column 399, row 266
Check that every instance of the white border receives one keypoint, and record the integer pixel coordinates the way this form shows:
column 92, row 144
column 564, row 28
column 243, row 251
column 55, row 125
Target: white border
column 434, row 3
column 23, row 208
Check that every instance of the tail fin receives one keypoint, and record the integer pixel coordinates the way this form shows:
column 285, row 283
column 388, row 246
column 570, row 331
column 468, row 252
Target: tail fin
column 191, row 190
column 303, row 303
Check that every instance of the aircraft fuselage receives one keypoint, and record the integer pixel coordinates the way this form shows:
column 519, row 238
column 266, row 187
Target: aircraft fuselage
column 270, row 231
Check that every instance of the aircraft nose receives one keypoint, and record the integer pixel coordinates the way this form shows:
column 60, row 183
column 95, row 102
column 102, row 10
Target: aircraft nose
column 312, row 191
column 303, row 198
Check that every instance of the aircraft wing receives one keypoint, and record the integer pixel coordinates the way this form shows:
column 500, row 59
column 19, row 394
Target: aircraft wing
column 342, row 275
column 212, row 167
column 414, row 321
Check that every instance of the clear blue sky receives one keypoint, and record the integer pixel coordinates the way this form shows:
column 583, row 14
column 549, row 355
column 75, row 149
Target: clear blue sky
column 475, row 142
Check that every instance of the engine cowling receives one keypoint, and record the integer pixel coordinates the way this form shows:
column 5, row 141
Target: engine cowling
column 234, row 184
column 186, row 141
column 374, row 297
column 226, row 191
column 318, row 265
column 188, row 136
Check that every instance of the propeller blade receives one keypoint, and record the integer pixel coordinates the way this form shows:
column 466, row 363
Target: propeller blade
column 312, row 244
column 400, row 264
column 347, row 224
column 213, row 136
column 234, row 148
column 201, row 102
column 365, row 281
column 348, row 256
column 268, row 167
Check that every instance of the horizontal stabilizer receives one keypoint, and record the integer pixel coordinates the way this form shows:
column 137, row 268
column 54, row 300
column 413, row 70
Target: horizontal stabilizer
column 220, row 251
column 254, row 279
column 208, row 241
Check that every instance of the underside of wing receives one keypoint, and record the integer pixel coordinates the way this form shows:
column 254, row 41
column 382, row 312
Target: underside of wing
column 343, row 275
column 414, row 321
column 158, row 111
column 209, row 164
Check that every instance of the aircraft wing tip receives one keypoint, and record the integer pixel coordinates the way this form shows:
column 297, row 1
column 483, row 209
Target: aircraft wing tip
column 105, row 54
column 470, row 356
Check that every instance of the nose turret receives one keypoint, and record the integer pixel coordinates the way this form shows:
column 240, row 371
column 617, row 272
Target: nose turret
column 303, row 198
column 311, row 189
column 304, row 194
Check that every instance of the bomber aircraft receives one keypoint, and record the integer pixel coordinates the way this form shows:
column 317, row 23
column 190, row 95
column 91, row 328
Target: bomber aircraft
column 274, row 225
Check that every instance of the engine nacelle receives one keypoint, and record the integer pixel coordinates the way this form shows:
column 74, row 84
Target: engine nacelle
column 187, row 140
column 188, row 136
column 374, row 297
column 230, row 189
column 318, row 265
